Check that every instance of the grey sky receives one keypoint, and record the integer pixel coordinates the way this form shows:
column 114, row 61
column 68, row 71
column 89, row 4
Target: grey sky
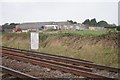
column 58, row 11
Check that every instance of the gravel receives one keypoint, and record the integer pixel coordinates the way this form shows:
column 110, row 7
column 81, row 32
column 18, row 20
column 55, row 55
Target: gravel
column 36, row 70
column 106, row 73
column 43, row 72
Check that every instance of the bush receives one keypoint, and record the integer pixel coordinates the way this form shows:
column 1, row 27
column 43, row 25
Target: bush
column 118, row 28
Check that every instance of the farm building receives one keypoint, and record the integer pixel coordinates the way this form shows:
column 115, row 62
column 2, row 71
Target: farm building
column 92, row 28
column 110, row 28
column 37, row 25
column 17, row 30
column 102, row 28
column 8, row 28
column 97, row 28
column 25, row 27
column 43, row 26
column 83, row 27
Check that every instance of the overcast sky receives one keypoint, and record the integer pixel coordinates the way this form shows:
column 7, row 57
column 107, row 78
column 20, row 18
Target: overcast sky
column 58, row 11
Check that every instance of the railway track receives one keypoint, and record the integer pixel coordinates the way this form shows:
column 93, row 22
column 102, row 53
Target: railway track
column 44, row 55
column 62, row 59
column 17, row 74
column 56, row 64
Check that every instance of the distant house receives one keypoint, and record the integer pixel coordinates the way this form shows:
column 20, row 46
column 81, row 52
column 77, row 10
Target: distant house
column 9, row 28
column 64, row 25
column 25, row 27
column 83, row 27
column 46, row 27
column 92, row 28
column 67, row 27
column 24, row 30
column 17, row 30
column 100, row 28
column 97, row 28
column 43, row 26
column 79, row 26
column 110, row 28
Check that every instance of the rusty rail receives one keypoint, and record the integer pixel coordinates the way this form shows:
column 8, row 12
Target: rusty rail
column 59, row 67
column 17, row 73
column 65, row 60
column 18, row 56
column 45, row 60
column 43, row 54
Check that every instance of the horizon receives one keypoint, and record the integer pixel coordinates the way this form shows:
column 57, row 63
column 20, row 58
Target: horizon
column 53, row 21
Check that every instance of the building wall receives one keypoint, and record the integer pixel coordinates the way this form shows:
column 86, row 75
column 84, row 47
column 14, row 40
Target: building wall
column 46, row 27
column 92, row 28
column 24, row 30
column 56, row 26
column 97, row 28
column 8, row 30
column 100, row 28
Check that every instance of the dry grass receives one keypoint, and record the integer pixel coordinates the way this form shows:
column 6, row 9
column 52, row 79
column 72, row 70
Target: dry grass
column 98, row 50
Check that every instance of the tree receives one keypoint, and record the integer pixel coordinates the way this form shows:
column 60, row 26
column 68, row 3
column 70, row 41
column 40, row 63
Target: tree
column 118, row 28
column 75, row 22
column 42, row 27
column 12, row 24
column 102, row 24
column 70, row 21
column 6, row 24
column 86, row 22
column 93, row 22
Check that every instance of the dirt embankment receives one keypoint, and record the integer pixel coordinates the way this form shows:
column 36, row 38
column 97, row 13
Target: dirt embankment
column 107, row 41
column 101, row 49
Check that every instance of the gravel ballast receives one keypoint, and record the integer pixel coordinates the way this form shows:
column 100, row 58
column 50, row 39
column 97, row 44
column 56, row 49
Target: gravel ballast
column 36, row 70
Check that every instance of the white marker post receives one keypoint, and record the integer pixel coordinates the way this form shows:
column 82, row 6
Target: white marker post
column 34, row 40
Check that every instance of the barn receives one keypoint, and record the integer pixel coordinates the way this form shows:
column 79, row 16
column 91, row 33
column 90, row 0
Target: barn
column 43, row 26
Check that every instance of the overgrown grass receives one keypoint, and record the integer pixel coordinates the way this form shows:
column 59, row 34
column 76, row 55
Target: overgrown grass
column 100, row 55
column 54, row 43
column 84, row 33
column 67, row 33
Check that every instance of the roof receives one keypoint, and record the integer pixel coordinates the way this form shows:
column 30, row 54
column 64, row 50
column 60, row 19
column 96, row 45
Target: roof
column 9, row 27
column 38, row 25
column 32, row 25
column 63, row 23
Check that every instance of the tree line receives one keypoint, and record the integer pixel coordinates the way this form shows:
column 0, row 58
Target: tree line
column 9, row 26
column 102, row 23
column 93, row 22
column 87, row 22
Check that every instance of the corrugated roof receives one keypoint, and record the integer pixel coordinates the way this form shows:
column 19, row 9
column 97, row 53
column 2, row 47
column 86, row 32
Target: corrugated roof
column 38, row 25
